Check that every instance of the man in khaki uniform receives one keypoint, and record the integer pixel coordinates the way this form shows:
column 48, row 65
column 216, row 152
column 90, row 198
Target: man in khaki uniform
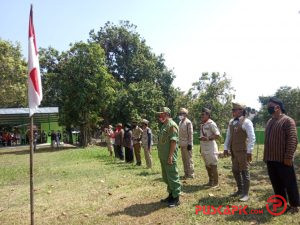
column 108, row 132
column 136, row 138
column 240, row 140
column 147, row 142
column 186, row 143
column 119, row 137
column 209, row 132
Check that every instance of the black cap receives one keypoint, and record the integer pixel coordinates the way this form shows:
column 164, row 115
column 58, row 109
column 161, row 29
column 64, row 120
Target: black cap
column 278, row 102
column 128, row 125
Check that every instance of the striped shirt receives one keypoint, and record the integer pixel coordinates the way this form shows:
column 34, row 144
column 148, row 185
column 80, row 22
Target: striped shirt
column 280, row 139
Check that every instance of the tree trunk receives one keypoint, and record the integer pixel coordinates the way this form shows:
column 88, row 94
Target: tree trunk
column 69, row 132
column 83, row 136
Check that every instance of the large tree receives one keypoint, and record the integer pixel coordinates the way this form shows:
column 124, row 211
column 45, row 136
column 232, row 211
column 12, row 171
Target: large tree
column 50, row 66
column 130, row 60
column 215, row 92
column 87, row 89
column 13, row 76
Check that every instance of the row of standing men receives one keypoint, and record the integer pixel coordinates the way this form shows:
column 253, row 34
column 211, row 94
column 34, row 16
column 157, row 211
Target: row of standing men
column 279, row 150
column 133, row 138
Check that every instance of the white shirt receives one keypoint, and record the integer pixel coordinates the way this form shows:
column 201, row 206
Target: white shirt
column 246, row 126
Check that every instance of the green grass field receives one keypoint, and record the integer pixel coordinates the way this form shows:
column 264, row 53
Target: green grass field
column 86, row 186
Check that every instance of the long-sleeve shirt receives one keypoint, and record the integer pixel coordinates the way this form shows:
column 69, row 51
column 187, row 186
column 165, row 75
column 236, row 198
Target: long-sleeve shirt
column 185, row 132
column 119, row 135
column 280, row 139
column 147, row 137
column 127, row 141
column 246, row 126
column 137, row 135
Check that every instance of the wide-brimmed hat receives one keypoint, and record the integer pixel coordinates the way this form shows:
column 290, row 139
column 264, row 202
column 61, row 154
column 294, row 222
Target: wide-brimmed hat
column 164, row 110
column 183, row 111
column 144, row 121
column 238, row 105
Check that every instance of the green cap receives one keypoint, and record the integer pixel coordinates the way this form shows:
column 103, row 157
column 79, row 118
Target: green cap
column 165, row 110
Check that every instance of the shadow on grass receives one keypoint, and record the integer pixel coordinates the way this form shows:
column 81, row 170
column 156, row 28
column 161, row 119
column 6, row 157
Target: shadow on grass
column 42, row 150
column 147, row 173
column 159, row 179
column 265, row 194
column 130, row 168
column 215, row 200
column 139, row 210
column 259, row 215
column 253, row 215
column 193, row 188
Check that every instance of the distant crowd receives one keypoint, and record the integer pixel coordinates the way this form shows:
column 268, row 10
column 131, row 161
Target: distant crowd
column 14, row 138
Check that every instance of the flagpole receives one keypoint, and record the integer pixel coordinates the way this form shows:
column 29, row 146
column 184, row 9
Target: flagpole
column 31, row 173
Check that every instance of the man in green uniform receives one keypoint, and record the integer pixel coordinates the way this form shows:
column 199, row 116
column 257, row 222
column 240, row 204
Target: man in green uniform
column 167, row 152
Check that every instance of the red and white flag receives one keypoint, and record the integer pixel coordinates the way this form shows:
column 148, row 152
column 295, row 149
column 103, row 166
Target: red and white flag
column 35, row 94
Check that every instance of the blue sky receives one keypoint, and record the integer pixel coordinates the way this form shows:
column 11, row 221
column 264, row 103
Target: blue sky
column 256, row 42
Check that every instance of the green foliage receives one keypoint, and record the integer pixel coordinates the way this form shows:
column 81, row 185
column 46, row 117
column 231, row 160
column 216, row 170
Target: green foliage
column 138, row 100
column 50, row 69
column 130, row 60
column 215, row 92
column 86, row 87
column 291, row 100
column 128, row 57
column 13, row 76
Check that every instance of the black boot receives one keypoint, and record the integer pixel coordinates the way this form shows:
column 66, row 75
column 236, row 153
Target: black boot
column 238, row 179
column 173, row 202
column 209, row 173
column 167, row 199
column 215, row 176
column 246, row 187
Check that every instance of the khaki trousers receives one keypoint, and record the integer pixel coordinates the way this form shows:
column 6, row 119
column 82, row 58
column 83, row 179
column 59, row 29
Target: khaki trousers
column 137, row 152
column 239, row 161
column 187, row 160
column 148, row 156
column 110, row 148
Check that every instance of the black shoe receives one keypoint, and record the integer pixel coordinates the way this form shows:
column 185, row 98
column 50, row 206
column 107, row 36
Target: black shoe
column 236, row 194
column 138, row 163
column 292, row 209
column 167, row 199
column 174, row 202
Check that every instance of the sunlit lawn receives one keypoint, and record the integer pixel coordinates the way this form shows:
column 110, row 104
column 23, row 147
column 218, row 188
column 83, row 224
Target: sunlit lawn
column 86, row 186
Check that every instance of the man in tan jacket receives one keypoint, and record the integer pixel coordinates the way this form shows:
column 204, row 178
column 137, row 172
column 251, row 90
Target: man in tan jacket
column 137, row 140
column 209, row 132
column 147, row 142
column 186, row 143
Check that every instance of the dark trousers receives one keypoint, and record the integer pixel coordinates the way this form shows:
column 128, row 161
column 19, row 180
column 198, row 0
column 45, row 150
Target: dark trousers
column 128, row 154
column 284, row 182
column 119, row 151
column 115, row 151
